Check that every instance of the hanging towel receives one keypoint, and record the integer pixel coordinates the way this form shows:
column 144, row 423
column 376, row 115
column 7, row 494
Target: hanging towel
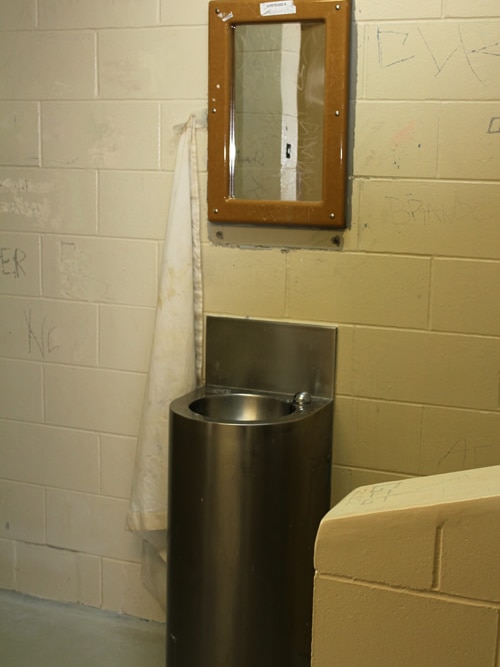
column 175, row 363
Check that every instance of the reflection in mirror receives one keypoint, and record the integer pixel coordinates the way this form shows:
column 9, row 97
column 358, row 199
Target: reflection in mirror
column 278, row 110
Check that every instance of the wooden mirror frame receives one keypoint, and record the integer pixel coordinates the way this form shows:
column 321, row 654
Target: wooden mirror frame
column 329, row 212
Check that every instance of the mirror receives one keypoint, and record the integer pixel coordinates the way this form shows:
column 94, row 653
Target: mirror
column 278, row 112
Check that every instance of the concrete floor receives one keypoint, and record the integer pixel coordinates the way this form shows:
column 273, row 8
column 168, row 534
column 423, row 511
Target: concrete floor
column 37, row 633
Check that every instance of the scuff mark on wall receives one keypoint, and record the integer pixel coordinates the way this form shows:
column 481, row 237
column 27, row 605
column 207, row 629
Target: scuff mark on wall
column 76, row 279
column 21, row 197
column 107, row 142
column 406, row 134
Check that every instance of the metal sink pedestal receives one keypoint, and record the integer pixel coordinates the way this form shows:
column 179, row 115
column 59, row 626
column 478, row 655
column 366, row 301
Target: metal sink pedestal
column 249, row 484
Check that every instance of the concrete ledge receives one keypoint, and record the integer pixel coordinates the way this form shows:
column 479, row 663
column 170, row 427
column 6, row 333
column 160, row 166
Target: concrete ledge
column 408, row 573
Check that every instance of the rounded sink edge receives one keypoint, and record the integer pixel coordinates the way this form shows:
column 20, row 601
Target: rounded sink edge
column 181, row 406
column 242, row 407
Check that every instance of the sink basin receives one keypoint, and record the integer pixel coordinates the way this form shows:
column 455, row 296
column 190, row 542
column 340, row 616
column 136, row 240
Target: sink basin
column 238, row 407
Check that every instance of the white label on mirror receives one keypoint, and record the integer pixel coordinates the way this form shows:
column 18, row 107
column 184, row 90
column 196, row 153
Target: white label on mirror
column 277, row 8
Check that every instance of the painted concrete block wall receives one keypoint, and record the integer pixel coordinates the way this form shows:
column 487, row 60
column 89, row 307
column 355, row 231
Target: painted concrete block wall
column 407, row 573
column 415, row 291
column 90, row 93
column 417, row 379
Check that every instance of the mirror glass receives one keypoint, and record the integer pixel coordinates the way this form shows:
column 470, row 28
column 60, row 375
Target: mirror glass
column 278, row 111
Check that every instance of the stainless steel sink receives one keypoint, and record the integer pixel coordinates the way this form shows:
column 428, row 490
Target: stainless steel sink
column 249, row 481
column 242, row 407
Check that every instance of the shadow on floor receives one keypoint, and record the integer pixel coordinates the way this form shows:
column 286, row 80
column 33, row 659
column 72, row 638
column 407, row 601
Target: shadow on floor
column 39, row 633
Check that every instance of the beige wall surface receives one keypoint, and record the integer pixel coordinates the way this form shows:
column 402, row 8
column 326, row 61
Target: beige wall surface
column 90, row 93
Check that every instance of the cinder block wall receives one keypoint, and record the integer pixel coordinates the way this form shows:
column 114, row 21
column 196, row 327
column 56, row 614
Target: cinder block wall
column 407, row 574
column 415, row 291
column 90, row 91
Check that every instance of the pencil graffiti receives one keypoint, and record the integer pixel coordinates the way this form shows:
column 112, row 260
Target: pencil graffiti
column 397, row 47
column 414, row 208
column 40, row 336
column 389, row 41
column 11, row 262
column 373, row 495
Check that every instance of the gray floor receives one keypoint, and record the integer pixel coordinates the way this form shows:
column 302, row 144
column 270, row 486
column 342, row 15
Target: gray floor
column 37, row 633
